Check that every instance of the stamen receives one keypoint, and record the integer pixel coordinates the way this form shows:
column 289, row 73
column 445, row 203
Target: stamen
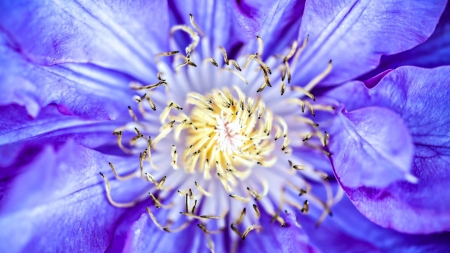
column 111, row 201
column 241, row 217
column 149, row 152
column 307, row 93
column 224, row 53
column 235, row 64
column 161, row 182
column 127, row 177
column 239, row 198
column 137, row 86
column 299, row 51
column 255, row 195
column 174, row 157
column 249, row 229
column 155, row 221
column 195, row 205
column 165, row 54
column 224, row 182
column 202, row 190
column 194, row 36
column 319, row 78
column 262, row 64
column 195, row 25
column 212, row 61
column 291, row 52
column 237, row 74
column 158, row 203
column 283, row 88
column 260, row 45
column 151, row 103
column 133, row 116
column 119, row 142
column 297, row 102
column 235, row 230
column 208, row 238
column 258, row 213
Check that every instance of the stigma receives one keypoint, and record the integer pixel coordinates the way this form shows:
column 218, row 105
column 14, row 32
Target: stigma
column 214, row 138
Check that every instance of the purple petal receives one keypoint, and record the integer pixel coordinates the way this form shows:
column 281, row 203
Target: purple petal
column 349, row 231
column 370, row 147
column 144, row 236
column 225, row 23
column 277, row 19
column 58, row 204
column 354, row 34
column 78, row 89
column 421, row 97
column 432, row 53
column 119, row 35
column 17, row 128
column 275, row 238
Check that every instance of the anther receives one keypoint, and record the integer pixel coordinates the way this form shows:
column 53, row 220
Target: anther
column 305, row 208
column 151, row 103
column 239, row 198
column 195, row 25
column 225, row 57
column 249, row 229
column 174, row 157
column 304, row 91
column 260, row 45
column 166, row 54
column 121, row 177
column 258, row 213
column 161, row 182
column 283, row 88
column 202, row 190
column 235, row 64
column 193, row 208
column 235, row 230
column 241, row 217
column 130, row 111
column 212, row 61
column 108, row 194
column 155, row 221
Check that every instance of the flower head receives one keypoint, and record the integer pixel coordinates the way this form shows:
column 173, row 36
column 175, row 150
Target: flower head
column 241, row 127
column 224, row 150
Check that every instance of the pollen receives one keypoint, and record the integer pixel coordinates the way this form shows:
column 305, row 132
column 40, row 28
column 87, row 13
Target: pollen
column 221, row 133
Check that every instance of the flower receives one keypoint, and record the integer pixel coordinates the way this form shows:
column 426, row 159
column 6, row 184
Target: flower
column 213, row 134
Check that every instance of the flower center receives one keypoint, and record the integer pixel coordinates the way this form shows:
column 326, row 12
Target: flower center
column 218, row 140
column 226, row 133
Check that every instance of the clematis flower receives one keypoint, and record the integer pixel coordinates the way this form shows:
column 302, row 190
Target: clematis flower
column 229, row 120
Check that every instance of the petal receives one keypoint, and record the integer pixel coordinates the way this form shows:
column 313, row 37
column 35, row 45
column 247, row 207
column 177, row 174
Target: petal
column 119, row 35
column 58, row 204
column 432, row 53
column 370, row 147
column 274, row 238
column 349, row 231
column 144, row 236
column 19, row 132
column 276, row 19
column 421, row 97
column 80, row 89
column 354, row 34
column 225, row 23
